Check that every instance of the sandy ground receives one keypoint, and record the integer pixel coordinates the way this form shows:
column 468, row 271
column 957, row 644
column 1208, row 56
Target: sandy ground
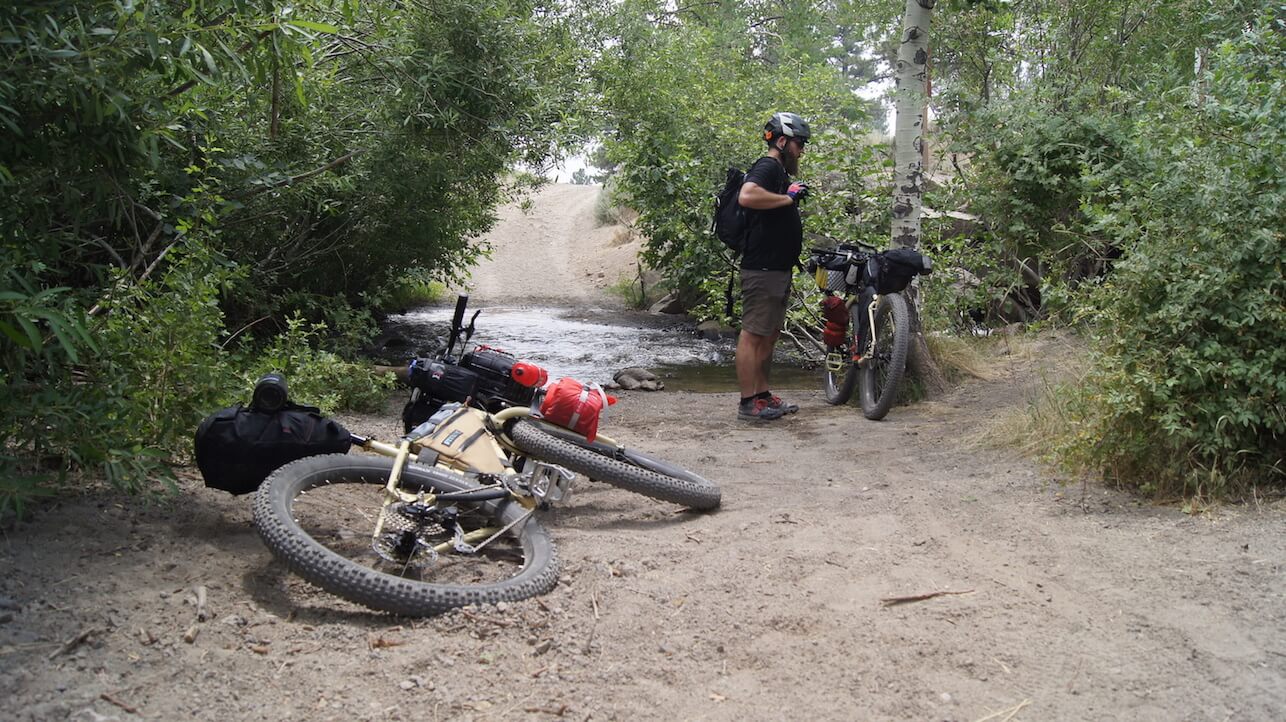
column 1043, row 599
column 553, row 250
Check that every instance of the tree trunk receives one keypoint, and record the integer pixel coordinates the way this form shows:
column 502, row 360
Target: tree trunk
column 908, row 183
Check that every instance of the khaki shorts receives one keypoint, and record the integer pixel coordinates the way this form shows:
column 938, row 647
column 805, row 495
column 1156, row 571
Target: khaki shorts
column 763, row 301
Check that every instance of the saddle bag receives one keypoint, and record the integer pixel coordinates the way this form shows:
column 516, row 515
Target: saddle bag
column 238, row 447
column 574, row 405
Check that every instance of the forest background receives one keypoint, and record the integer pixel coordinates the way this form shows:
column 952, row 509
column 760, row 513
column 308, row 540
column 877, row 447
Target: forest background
column 194, row 193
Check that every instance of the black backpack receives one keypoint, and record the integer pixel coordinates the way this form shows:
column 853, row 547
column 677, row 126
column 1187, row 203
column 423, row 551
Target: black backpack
column 730, row 223
column 238, row 447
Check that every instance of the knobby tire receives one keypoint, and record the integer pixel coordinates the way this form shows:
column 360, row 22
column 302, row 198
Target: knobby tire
column 883, row 371
column 629, row 470
column 321, row 539
column 838, row 386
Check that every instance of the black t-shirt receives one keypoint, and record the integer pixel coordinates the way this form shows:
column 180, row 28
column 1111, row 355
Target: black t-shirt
column 776, row 234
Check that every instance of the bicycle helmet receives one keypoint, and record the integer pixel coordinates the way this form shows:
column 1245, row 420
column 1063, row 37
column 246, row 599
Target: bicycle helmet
column 787, row 124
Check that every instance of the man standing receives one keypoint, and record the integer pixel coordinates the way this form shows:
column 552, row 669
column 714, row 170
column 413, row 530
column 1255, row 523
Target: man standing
column 773, row 244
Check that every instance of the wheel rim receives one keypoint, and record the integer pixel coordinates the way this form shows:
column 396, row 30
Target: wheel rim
column 885, row 325
column 341, row 514
column 838, row 359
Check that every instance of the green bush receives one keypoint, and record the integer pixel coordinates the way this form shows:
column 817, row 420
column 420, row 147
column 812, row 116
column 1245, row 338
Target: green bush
column 1186, row 392
column 120, row 394
column 317, row 377
column 123, row 395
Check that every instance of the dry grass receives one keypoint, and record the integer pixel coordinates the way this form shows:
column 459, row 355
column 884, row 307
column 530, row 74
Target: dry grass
column 1040, row 367
column 959, row 358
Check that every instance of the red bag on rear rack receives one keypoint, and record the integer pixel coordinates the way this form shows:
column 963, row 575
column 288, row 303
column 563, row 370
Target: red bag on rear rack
column 574, row 405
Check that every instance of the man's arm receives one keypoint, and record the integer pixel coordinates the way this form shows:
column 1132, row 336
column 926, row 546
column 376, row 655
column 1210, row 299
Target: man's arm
column 759, row 198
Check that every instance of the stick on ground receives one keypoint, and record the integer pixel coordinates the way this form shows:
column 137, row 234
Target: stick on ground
column 890, row 601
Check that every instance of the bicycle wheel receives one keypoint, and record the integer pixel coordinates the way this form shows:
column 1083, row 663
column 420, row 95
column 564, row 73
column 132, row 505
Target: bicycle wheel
column 627, row 469
column 883, row 371
column 841, row 372
column 319, row 514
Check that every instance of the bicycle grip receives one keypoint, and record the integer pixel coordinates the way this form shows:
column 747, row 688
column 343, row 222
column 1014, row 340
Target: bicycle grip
column 457, row 321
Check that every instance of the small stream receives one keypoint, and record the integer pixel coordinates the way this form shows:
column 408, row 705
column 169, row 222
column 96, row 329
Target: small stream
column 592, row 344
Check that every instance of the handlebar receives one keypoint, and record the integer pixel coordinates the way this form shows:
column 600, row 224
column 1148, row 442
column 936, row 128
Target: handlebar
column 841, row 257
column 461, row 301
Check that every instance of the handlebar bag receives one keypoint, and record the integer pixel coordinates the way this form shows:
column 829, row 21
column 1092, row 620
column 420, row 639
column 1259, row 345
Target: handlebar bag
column 574, row 405
column 496, row 386
column 892, row 270
column 440, row 381
column 238, row 447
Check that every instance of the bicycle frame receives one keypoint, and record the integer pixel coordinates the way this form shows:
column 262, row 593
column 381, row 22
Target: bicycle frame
column 848, row 258
column 853, row 299
column 540, row 485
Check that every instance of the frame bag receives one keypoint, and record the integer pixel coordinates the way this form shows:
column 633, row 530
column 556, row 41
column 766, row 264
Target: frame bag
column 238, row 447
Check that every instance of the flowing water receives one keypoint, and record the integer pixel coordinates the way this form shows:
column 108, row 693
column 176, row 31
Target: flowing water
column 592, row 344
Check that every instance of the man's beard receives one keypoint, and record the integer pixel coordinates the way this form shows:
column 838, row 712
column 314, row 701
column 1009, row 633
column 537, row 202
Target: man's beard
column 790, row 161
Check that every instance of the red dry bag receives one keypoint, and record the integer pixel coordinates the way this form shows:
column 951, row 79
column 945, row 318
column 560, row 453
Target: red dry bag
column 836, row 315
column 574, row 405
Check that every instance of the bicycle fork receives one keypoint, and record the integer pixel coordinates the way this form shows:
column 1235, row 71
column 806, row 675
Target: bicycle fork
column 836, row 362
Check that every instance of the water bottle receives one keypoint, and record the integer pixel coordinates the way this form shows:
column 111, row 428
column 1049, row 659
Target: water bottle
column 528, row 374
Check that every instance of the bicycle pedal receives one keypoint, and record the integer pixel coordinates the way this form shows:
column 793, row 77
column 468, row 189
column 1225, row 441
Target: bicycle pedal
column 550, row 483
column 835, row 362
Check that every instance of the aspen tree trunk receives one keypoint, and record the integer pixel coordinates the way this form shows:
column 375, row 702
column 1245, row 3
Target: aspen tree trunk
column 908, row 184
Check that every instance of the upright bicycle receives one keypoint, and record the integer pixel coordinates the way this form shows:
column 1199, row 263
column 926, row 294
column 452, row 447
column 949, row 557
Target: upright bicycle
column 867, row 332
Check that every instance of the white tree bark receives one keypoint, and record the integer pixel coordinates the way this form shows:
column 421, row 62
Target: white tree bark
column 911, row 97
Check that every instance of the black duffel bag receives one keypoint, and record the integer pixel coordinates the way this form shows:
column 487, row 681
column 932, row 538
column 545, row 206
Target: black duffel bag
column 238, row 447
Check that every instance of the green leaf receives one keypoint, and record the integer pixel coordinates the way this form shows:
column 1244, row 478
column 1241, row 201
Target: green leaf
column 318, row 27
column 33, row 334
column 209, row 61
column 68, row 346
column 14, row 335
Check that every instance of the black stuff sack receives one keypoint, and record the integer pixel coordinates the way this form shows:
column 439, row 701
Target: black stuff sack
column 434, row 383
column 238, row 447
column 892, row 271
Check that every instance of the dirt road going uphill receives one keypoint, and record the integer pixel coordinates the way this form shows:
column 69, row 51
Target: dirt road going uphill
column 1022, row 598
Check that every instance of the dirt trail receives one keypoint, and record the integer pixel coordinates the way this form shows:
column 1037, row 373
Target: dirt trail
column 1064, row 602
column 553, row 250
